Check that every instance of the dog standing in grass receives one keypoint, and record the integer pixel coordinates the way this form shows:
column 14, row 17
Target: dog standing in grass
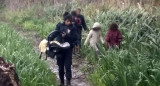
column 94, row 37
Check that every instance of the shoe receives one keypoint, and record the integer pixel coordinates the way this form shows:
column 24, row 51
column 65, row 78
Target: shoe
column 61, row 85
column 62, row 82
column 68, row 83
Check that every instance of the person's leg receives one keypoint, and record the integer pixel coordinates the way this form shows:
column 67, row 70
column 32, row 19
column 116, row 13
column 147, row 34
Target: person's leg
column 60, row 63
column 95, row 48
column 74, row 50
column 79, row 47
column 79, row 44
column 79, row 41
column 68, row 63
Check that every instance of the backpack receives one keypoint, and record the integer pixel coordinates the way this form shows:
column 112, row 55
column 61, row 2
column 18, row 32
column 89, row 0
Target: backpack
column 78, row 21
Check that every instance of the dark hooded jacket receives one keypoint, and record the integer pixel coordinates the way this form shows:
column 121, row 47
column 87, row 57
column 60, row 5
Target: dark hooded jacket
column 82, row 22
column 70, row 30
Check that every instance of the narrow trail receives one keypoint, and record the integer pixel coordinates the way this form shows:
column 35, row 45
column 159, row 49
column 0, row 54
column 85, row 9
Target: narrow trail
column 79, row 78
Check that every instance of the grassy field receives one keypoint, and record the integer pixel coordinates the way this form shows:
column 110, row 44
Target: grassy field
column 137, row 63
column 31, row 70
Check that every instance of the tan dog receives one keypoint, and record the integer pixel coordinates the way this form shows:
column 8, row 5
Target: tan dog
column 43, row 45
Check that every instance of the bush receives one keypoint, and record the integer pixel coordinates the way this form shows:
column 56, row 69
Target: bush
column 29, row 25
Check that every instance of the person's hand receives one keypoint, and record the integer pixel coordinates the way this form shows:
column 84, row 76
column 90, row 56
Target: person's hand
column 103, row 42
column 63, row 34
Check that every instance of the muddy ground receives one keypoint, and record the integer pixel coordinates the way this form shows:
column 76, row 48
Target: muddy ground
column 79, row 78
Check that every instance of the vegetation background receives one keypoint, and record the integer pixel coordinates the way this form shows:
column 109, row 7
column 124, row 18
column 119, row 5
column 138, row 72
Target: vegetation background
column 137, row 63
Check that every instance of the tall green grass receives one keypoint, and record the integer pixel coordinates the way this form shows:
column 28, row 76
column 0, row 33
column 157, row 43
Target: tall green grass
column 31, row 70
column 42, row 19
column 135, row 64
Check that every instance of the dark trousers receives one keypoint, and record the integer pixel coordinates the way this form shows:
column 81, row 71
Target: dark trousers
column 79, row 34
column 64, row 61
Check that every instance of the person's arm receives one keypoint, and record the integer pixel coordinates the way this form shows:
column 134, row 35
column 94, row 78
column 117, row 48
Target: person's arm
column 83, row 23
column 119, row 36
column 54, row 33
column 88, row 37
column 107, row 39
column 73, row 35
column 101, row 38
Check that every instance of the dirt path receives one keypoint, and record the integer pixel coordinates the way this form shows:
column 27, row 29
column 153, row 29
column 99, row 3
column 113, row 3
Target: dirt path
column 78, row 77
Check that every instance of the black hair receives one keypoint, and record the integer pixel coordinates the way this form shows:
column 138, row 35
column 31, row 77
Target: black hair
column 73, row 13
column 113, row 26
column 65, row 14
column 68, row 17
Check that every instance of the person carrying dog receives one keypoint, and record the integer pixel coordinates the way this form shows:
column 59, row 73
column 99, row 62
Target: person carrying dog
column 64, row 32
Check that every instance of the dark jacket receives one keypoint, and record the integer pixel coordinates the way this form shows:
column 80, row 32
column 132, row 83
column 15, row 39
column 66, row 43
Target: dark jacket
column 71, row 32
column 83, row 22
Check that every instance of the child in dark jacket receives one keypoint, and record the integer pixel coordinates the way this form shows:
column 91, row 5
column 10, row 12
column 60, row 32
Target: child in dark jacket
column 74, row 22
column 80, row 24
column 64, row 32
column 113, row 37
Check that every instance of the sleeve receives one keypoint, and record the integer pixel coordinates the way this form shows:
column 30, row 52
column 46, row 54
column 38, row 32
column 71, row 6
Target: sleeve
column 107, row 39
column 101, row 38
column 54, row 33
column 73, row 35
column 84, row 23
column 88, row 37
column 119, row 36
